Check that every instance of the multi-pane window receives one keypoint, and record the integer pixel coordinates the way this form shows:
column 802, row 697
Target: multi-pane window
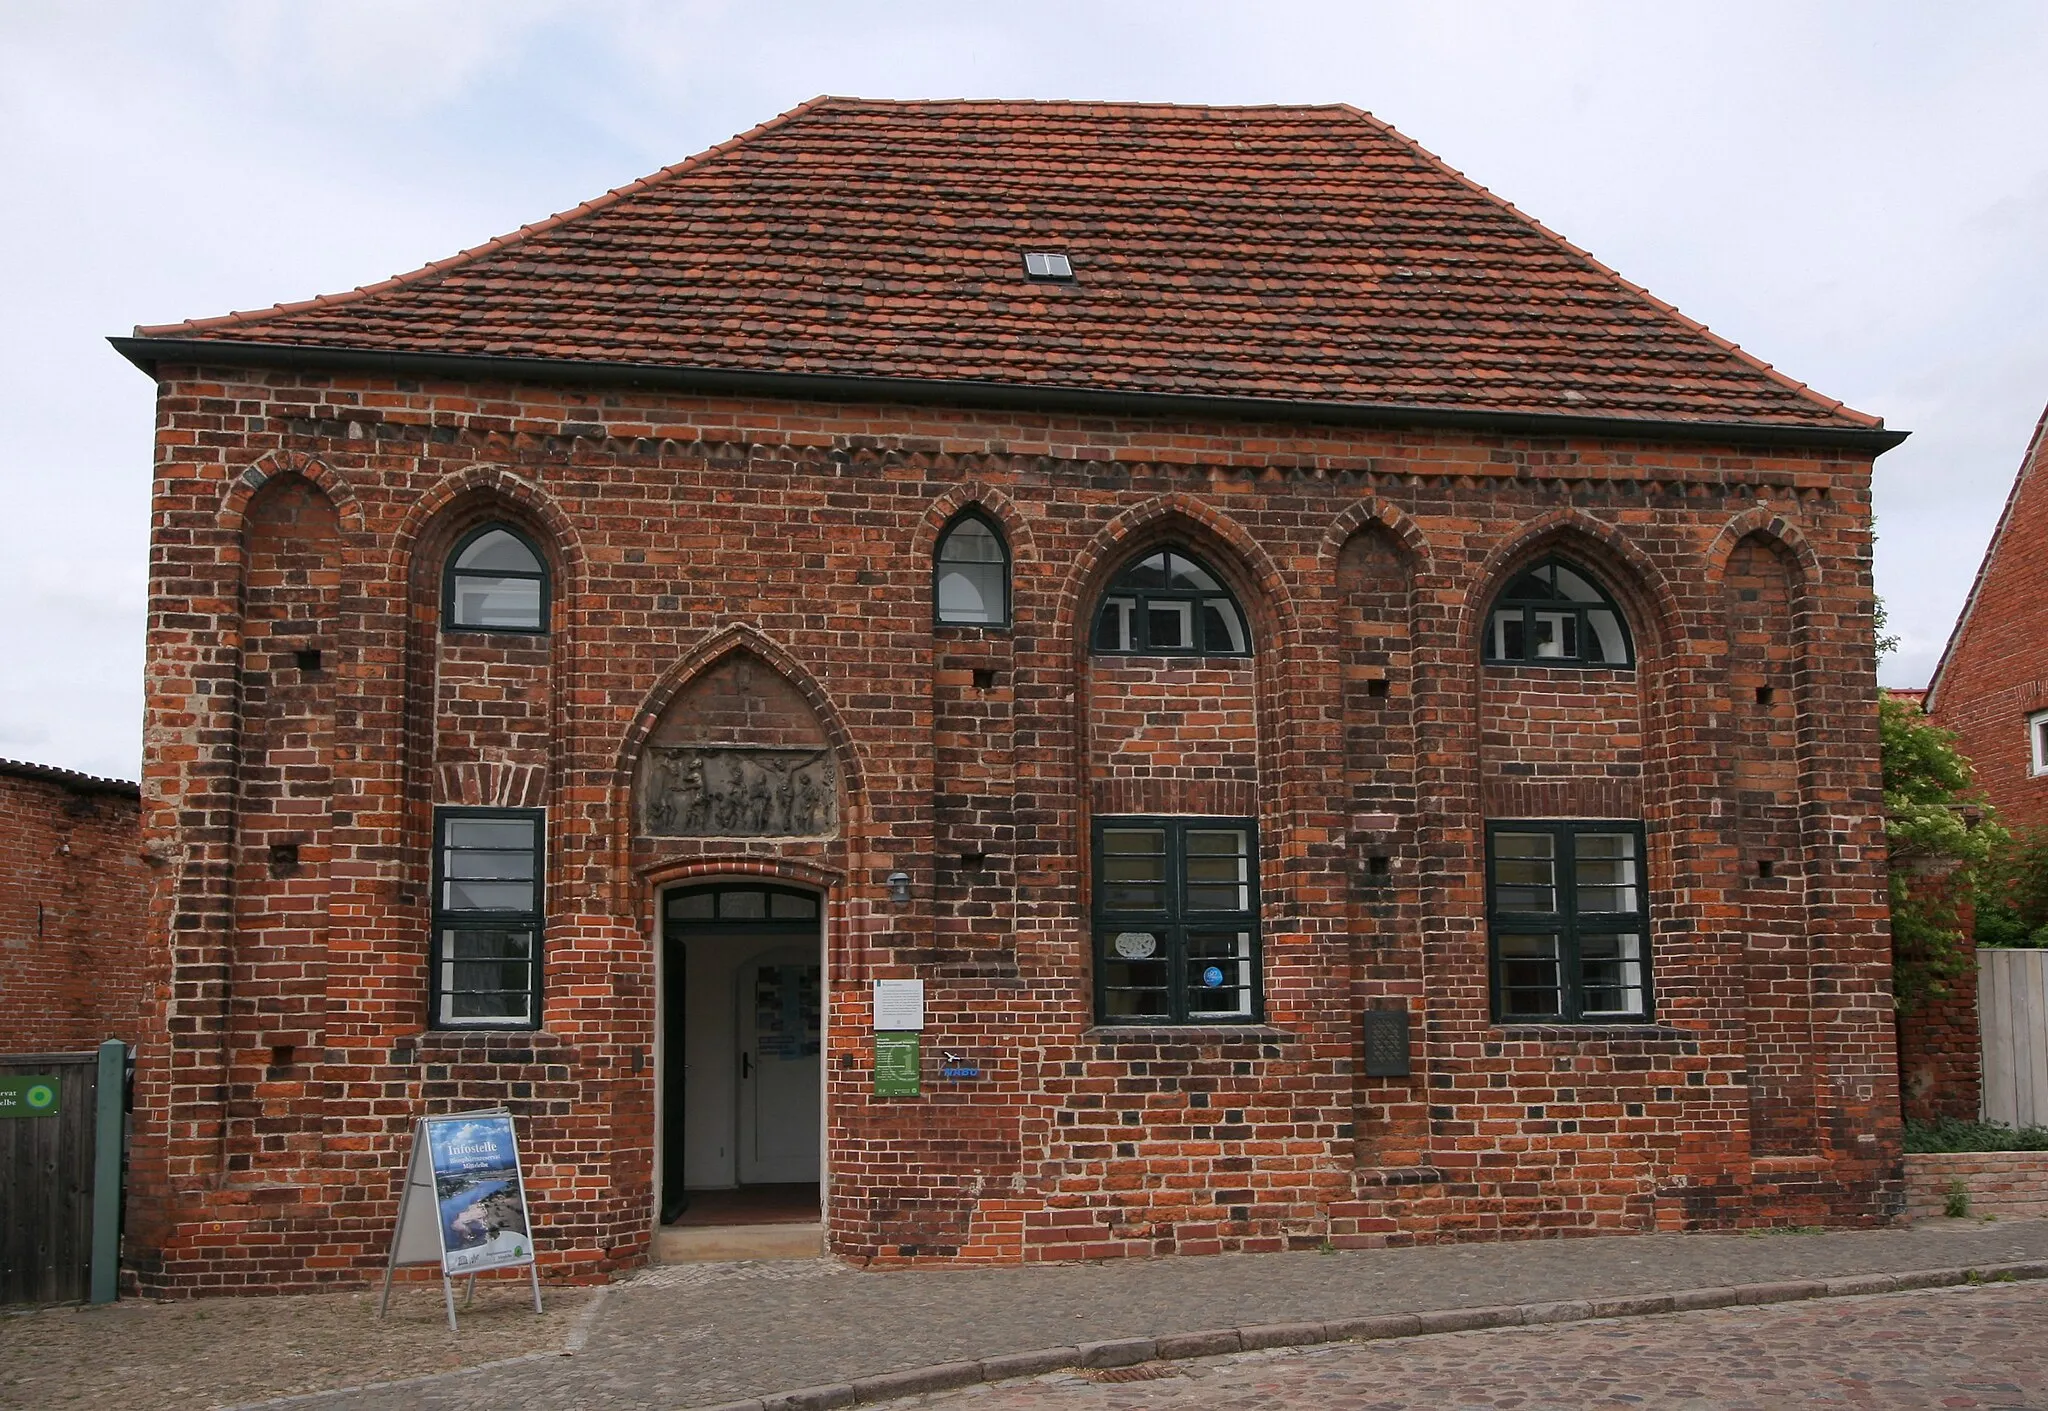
column 1167, row 604
column 1568, row 920
column 971, row 575
column 1176, row 921
column 2037, row 736
column 487, row 917
column 1554, row 613
column 496, row 582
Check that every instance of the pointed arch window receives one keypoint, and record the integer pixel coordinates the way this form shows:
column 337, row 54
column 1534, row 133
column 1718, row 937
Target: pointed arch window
column 971, row 574
column 1555, row 613
column 1168, row 603
column 496, row 582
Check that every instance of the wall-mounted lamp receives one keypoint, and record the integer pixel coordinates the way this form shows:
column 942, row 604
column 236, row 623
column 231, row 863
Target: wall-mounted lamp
column 899, row 888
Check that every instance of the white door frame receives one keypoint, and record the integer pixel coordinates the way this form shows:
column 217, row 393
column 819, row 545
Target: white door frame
column 828, row 919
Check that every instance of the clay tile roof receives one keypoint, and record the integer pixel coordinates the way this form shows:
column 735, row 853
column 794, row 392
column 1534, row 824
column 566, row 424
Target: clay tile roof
column 1296, row 253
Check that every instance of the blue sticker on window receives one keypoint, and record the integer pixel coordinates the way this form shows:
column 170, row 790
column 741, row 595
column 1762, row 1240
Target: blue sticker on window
column 1213, row 976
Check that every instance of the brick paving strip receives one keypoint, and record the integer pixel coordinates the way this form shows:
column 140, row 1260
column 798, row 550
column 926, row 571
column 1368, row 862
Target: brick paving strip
column 744, row 1335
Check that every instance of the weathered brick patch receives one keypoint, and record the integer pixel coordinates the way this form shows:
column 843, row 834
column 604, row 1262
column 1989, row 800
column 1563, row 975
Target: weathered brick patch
column 2013, row 1184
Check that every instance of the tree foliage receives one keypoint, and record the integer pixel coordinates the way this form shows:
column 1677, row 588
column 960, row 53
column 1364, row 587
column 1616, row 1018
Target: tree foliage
column 2012, row 893
column 1944, row 842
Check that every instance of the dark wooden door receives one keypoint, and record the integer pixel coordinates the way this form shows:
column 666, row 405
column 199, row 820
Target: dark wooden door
column 46, row 1173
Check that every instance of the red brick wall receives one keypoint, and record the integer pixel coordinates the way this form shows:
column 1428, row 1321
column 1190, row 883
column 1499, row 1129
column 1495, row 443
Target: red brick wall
column 73, row 888
column 683, row 530
column 2008, row 1185
column 1996, row 672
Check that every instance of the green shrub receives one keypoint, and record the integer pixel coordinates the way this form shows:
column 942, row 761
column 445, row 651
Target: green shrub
column 1955, row 1134
column 2012, row 892
column 1956, row 1204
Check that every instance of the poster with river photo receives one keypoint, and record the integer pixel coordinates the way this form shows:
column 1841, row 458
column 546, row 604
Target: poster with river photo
column 478, row 1198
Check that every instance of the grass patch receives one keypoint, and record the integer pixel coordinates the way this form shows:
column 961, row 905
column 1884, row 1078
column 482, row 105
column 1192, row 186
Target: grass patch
column 1954, row 1134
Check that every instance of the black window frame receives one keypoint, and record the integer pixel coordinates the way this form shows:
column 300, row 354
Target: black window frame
column 1579, row 610
column 1567, row 922
column 1119, row 588
column 939, row 561
column 718, row 922
column 444, row 919
column 1174, row 922
column 449, row 574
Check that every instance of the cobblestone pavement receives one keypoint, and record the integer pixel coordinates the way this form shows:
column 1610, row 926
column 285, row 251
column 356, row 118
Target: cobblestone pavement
column 1962, row 1349
column 214, row 1352
column 697, row 1335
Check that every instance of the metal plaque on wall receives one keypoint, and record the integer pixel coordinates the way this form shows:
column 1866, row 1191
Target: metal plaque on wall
column 696, row 791
column 1386, row 1043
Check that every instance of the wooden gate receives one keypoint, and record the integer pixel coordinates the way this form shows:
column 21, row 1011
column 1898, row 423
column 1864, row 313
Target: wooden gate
column 2012, row 1012
column 49, row 1125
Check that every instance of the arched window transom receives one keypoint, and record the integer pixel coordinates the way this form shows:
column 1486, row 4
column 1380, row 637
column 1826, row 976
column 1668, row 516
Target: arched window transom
column 496, row 583
column 1554, row 613
column 1168, row 604
column 971, row 575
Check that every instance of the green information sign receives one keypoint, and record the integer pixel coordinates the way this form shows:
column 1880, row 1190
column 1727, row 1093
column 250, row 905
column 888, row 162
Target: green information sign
column 36, row 1096
column 896, row 1063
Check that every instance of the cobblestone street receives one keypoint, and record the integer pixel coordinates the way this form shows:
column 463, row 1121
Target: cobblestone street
column 804, row 1335
column 1967, row 1349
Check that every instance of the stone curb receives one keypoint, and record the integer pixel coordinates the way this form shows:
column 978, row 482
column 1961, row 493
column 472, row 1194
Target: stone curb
column 1128, row 1352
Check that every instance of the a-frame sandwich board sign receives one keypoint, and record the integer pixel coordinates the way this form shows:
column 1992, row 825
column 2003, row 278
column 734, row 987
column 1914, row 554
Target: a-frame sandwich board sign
column 464, row 1204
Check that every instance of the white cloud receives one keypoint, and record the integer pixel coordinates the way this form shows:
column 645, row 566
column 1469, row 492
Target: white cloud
column 1856, row 192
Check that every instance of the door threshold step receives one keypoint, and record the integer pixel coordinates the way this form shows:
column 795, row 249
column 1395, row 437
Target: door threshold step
column 697, row 1244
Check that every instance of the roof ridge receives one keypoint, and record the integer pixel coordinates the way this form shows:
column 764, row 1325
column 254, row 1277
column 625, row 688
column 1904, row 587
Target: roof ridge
column 1832, row 404
column 243, row 318
column 2036, row 454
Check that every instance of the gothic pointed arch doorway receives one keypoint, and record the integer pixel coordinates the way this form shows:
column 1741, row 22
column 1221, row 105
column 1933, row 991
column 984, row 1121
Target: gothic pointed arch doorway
column 742, row 1074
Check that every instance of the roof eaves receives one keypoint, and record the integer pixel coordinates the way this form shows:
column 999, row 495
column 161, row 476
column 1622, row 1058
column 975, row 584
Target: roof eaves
column 149, row 353
column 1733, row 349
column 246, row 318
column 2037, row 451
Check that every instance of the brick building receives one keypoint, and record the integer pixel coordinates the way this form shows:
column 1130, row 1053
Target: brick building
column 1174, row 581
column 73, row 896
column 1991, row 685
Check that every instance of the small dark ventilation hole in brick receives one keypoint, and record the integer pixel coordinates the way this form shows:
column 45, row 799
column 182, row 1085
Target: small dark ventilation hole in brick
column 1376, row 686
column 281, row 1055
column 1376, row 865
column 984, row 679
column 973, row 861
column 284, row 859
column 1765, row 867
column 308, row 659
column 1766, row 694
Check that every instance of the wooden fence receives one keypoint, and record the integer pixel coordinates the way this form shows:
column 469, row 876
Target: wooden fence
column 2012, row 1009
column 60, row 1175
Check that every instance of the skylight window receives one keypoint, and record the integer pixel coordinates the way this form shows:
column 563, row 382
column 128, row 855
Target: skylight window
column 1047, row 264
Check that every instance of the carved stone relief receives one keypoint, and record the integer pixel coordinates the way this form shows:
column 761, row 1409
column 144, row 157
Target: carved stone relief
column 697, row 791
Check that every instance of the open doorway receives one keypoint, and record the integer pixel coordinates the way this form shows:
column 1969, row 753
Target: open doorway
column 742, row 1055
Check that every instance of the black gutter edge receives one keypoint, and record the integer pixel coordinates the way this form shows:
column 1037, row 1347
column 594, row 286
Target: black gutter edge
column 148, row 353
column 69, row 778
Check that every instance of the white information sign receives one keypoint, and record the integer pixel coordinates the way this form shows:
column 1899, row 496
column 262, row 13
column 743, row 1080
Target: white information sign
column 899, row 1005
column 464, row 1203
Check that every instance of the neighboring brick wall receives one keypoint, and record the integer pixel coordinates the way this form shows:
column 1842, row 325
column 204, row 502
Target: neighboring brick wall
column 1995, row 673
column 685, row 530
column 73, row 899
column 2009, row 1184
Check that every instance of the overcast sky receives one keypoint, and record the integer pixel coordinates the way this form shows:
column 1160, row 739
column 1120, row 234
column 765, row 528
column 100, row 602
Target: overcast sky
column 1857, row 193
